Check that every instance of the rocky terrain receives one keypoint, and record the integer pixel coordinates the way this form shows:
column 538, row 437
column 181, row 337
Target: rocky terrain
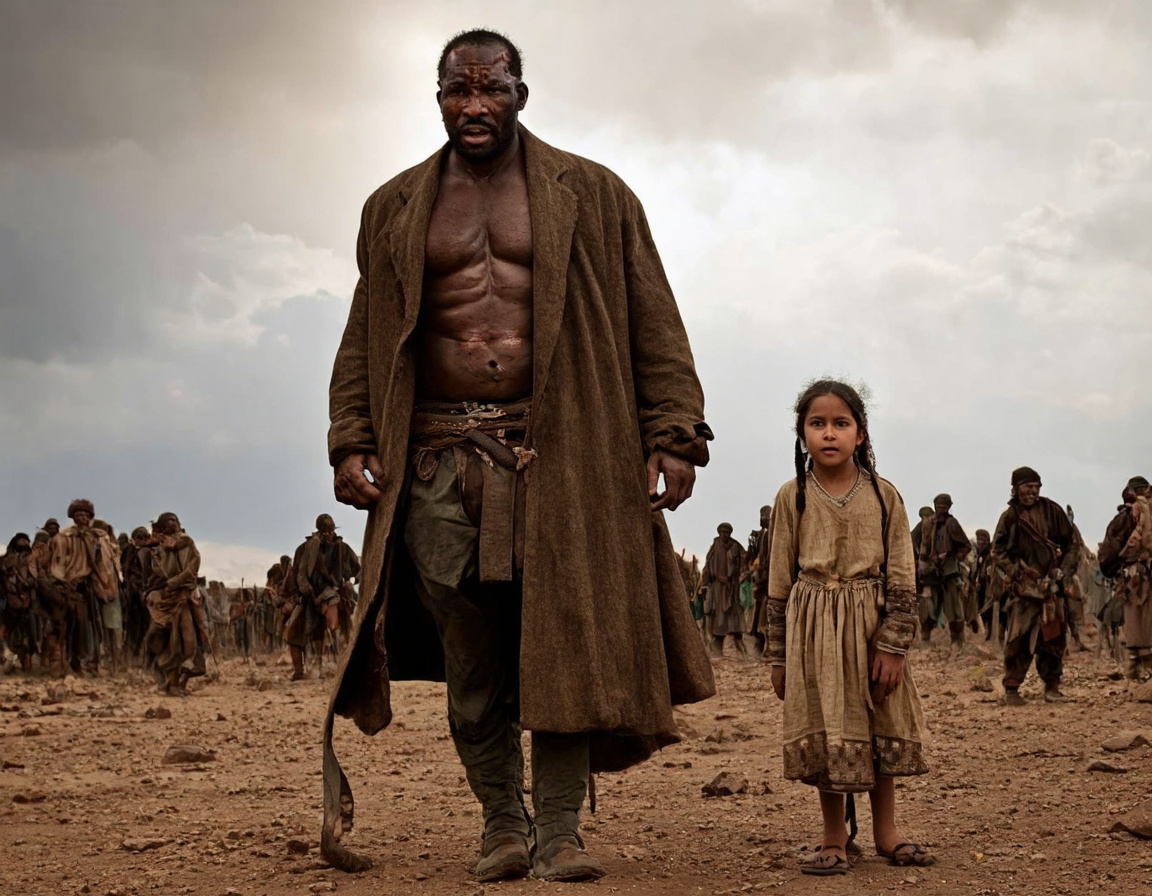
column 1042, row 799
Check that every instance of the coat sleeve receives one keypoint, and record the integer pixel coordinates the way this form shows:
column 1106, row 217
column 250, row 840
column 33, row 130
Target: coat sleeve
column 1114, row 540
column 187, row 576
column 670, row 402
column 349, row 402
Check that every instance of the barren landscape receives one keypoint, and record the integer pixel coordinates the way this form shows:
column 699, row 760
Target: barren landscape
column 1012, row 805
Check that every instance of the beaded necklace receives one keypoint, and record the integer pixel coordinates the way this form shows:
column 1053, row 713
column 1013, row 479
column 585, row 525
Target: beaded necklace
column 843, row 500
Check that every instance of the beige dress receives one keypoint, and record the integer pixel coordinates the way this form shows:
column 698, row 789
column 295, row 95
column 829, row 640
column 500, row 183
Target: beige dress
column 839, row 608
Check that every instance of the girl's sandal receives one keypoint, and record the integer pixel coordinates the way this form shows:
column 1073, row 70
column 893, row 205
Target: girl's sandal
column 908, row 854
column 825, row 864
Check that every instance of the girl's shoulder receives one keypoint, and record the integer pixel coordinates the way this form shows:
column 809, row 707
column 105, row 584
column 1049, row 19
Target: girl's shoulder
column 888, row 490
column 785, row 497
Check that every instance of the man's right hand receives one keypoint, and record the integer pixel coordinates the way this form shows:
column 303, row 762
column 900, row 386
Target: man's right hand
column 352, row 486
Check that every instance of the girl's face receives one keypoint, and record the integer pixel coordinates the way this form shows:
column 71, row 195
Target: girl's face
column 831, row 432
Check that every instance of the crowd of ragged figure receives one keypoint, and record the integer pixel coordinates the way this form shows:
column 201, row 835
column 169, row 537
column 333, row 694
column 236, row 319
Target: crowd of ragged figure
column 81, row 600
column 1030, row 587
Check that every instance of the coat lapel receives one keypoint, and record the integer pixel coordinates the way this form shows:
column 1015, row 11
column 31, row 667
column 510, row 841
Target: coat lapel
column 553, row 209
column 408, row 232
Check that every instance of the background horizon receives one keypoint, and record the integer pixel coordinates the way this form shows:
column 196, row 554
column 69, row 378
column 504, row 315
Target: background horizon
column 947, row 202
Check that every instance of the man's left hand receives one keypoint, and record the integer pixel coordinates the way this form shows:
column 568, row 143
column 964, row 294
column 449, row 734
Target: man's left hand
column 679, row 477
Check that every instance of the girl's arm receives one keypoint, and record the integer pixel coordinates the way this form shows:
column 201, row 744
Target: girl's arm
column 781, row 573
column 900, row 610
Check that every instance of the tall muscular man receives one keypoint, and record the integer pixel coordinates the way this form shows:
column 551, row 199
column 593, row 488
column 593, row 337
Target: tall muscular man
column 515, row 379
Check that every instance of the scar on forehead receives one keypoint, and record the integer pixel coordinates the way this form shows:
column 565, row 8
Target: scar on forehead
column 500, row 54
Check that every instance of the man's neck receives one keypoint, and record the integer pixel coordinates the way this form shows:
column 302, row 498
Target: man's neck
column 488, row 170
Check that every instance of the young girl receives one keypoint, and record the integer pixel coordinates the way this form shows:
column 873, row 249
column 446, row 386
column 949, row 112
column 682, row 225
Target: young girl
column 842, row 614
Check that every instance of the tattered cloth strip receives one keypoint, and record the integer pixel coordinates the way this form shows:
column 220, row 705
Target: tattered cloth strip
column 487, row 428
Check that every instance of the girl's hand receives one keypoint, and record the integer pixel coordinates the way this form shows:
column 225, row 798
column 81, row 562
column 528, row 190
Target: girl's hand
column 778, row 681
column 887, row 668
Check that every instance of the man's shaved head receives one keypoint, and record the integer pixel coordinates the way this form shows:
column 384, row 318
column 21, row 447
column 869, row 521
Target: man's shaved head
column 481, row 37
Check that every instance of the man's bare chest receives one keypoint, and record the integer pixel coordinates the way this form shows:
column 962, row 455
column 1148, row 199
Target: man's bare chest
column 475, row 223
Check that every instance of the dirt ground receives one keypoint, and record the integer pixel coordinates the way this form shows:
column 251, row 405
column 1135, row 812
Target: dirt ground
column 1010, row 806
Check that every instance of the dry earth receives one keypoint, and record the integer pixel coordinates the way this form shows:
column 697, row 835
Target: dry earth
column 1010, row 806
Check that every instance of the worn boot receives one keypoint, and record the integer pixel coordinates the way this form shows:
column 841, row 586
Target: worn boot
column 717, row 648
column 1012, row 697
column 956, row 630
column 297, row 663
column 559, row 785
column 1053, row 694
column 504, row 850
column 741, row 646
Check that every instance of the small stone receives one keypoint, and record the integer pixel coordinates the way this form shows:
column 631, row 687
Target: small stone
column 1101, row 766
column 232, row 835
column 1136, row 821
column 324, row 886
column 298, row 847
column 220, row 717
column 12, row 763
column 1127, row 740
column 726, row 784
column 182, row 753
column 1143, row 693
column 31, row 731
column 31, row 797
column 142, row 844
column 981, row 682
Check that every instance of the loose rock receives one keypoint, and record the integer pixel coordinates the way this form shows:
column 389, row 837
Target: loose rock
column 1137, row 821
column 726, row 784
column 1127, row 740
column 1101, row 766
column 158, row 712
column 181, row 753
column 298, row 847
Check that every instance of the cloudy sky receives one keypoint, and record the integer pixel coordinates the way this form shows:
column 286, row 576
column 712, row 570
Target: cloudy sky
column 949, row 200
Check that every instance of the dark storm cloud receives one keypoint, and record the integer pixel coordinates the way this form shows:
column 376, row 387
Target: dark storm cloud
column 75, row 73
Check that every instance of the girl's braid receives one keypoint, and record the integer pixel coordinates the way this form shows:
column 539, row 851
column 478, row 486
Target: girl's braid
column 801, row 478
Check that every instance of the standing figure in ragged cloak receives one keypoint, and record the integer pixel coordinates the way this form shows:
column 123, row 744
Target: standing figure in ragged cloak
column 1036, row 550
column 515, row 379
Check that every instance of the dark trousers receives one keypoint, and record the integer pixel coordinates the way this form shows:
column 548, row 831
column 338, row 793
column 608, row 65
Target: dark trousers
column 1049, row 659
column 479, row 627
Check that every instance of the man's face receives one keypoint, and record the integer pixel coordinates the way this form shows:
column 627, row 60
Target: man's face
column 53, row 529
column 765, row 518
column 140, row 540
column 82, row 518
column 328, row 533
column 22, row 545
column 479, row 102
column 982, row 541
column 942, row 508
column 1028, row 493
column 725, row 535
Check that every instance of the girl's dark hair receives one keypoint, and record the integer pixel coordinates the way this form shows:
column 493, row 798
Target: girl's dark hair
column 864, row 454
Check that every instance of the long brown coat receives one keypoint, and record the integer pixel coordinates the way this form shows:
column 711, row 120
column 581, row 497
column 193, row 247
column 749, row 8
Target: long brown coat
column 613, row 378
